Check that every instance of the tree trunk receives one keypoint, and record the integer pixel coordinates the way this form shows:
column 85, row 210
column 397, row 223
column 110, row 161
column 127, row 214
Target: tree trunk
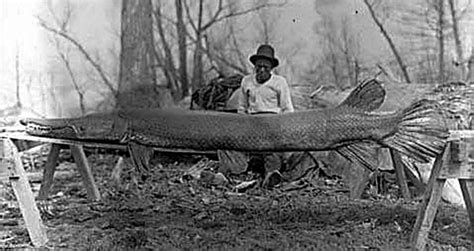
column 181, row 34
column 17, row 77
column 357, row 71
column 169, row 68
column 198, row 65
column 440, row 34
column 457, row 41
column 137, row 78
column 470, row 68
column 334, row 69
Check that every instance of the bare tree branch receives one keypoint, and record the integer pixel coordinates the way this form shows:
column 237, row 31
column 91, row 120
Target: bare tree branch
column 64, row 24
column 83, row 51
column 457, row 39
column 218, row 18
column 77, row 87
column 215, row 16
column 17, row 76
column 440, row 33
column 169, row 67
column 389, row 40
column 188, row 14
column 181, row 33
column 237, row 50
column 224, row 59
column 470, row 68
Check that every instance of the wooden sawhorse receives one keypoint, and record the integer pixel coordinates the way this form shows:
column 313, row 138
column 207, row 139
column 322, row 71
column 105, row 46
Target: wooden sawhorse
column 456, row 162
column 11, row 169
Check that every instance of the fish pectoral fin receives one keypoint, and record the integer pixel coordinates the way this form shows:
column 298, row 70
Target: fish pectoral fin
column 368, row 96
column 140, row 156
column 363, row 154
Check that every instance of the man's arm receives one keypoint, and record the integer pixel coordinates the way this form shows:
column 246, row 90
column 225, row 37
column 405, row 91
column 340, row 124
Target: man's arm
column 285, row 98
column 243, row 99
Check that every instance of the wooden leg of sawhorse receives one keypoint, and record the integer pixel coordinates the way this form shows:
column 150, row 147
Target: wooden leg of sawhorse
column 48, row 172
column 85, row 171
column 82, row 166
column 400, row 171
column 23, row 193
column 429, row 205
column 467, row 188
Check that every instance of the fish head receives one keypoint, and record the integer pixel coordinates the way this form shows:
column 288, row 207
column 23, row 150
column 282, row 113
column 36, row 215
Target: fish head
column 57, row 128
column 94, row 127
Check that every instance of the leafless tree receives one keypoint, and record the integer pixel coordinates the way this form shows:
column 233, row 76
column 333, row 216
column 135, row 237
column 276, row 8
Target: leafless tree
column 224, row 49
column 193, row 23
column 64, row 23
column 432, row 29
column 470, row 68
column 371, row 5
column 166, row 60
column 265, row 25
column 200, row 26
column 137, row 77
column 54, row 97
column 62, row 32
column 225, row 53
column 350, row 49
column 17, row 77
column 183, row 55
column 341, row 51
column 460, row 61
column 439, row 7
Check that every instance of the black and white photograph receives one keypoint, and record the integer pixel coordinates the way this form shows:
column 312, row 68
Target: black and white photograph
column 237, row 125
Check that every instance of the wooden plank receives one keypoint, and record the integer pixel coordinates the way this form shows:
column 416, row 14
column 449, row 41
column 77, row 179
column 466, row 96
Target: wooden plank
column 24, row 195
column 400, row 172
column 425, row 219
column 48, row 172
column 464, row 170
column 37, row 177
column 457, row 163
column 467, row 188
column 458, row 134
column 94, row 144
column 420, row 186
column 85, row 171
column 429, row 204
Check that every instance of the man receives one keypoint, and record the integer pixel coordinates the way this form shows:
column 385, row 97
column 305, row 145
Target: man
column 265, row 92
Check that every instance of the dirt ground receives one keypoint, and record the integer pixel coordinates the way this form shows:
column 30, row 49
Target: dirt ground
column 171, row 211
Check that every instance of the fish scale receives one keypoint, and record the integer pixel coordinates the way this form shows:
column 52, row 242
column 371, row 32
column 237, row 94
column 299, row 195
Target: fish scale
column 419, row 131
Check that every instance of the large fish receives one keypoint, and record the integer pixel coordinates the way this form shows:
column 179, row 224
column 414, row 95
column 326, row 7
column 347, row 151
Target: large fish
column 351, row 128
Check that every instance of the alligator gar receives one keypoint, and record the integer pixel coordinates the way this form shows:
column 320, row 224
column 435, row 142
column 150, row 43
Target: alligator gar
column 350, row 128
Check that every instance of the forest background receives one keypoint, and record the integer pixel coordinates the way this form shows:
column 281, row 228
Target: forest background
column 70, row 58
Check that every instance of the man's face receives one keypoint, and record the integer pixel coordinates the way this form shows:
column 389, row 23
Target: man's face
column 263, row 68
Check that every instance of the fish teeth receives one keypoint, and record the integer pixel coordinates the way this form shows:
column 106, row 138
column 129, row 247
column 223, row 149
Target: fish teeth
column 35, row 127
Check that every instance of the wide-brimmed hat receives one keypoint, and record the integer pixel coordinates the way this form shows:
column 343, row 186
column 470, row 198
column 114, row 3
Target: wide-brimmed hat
column 267, row 52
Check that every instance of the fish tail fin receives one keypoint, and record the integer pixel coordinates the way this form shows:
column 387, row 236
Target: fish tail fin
column 421, row 131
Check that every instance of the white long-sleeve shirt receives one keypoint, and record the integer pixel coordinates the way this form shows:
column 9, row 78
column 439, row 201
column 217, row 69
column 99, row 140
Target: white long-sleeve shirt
column 271, row 96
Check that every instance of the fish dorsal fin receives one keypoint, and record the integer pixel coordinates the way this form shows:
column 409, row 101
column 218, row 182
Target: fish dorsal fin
column 368, row 96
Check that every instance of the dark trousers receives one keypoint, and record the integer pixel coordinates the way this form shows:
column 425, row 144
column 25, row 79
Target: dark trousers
column 265, row 163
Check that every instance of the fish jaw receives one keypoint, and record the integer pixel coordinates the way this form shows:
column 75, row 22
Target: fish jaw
column 97, row 127
column 56, row 128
